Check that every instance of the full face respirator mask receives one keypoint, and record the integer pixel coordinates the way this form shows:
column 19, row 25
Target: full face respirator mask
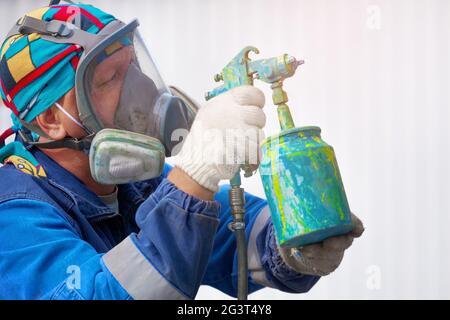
column 127, row 111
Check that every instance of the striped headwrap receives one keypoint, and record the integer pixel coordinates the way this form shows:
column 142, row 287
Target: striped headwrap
column 35, row 73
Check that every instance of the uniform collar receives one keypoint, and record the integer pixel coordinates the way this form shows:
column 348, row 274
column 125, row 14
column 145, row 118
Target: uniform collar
column 88, row 202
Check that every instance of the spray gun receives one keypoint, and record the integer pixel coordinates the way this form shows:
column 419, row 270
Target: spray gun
column 298, row 169
column 242, row 71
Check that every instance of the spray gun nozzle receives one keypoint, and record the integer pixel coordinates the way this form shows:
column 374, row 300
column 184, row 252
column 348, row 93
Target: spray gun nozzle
column 294, row 62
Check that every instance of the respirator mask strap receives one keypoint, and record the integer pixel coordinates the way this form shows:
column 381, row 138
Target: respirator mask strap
column 71, row 143
column 82, row 144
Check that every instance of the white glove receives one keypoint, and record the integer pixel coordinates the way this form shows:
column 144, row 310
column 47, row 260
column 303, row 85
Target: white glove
column 225, row 134
column 321, row 258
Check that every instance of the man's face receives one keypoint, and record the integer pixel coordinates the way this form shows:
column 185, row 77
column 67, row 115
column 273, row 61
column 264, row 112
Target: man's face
column 107, row 82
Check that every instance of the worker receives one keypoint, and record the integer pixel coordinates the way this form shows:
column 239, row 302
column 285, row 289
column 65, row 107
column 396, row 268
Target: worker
column 89, row 209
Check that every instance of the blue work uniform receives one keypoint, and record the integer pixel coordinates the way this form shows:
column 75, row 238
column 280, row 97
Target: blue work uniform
column 58, row 240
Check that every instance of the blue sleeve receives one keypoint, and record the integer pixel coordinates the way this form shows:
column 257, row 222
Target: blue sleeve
column 176, row 235
column 42, row 256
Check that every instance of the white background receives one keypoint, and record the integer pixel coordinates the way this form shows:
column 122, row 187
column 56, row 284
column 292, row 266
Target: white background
column 376, row 80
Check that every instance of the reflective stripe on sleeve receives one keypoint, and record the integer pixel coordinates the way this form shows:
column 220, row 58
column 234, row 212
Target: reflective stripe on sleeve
column 255, row 268
column 136, row 274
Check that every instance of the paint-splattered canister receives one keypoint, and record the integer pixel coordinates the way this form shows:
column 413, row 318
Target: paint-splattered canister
column 303, row 187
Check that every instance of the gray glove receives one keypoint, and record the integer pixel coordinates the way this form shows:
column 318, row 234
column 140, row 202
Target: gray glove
column 322, row 258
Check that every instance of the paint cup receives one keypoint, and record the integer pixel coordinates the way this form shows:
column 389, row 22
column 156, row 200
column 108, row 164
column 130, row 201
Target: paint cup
column 303, row 187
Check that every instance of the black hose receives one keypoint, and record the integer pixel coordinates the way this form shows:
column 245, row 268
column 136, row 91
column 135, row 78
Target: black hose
column 237, row 204
column 242, row 288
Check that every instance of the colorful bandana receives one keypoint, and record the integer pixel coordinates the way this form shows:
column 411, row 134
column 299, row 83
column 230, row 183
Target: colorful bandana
column 35, row 73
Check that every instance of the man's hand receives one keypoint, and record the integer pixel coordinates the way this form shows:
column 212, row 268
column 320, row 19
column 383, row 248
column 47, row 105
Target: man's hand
column 225, row 135
column 322, row 258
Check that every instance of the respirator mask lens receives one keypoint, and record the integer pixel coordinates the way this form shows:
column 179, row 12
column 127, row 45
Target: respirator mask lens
column 124, row 90
column 124, row 100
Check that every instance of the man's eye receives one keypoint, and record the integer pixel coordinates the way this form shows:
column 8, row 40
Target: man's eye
column 109, row 80
column 114, row 77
